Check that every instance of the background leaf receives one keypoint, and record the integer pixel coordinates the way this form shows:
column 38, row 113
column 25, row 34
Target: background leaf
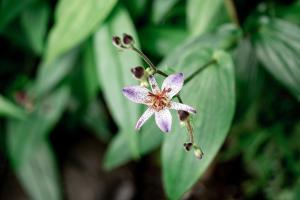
column 74, row 22
column 214, row 101
column 9, row 109
column 111, row 63
column 9, row 9
column 24, row 136
column 160, row 9
column 204, row 15
column 277, row 45
column 35, row 21
column 39, row 175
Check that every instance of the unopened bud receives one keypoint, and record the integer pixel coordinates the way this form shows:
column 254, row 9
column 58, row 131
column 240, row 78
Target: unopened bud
column 116, row 41
column 198, row 152
column 138, row 72
column 188, row 146
column 128, row 39
column 183, row 115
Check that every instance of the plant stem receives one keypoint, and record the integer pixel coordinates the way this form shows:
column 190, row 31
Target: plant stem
column 188, row 79
column 190, row 131
column 145, row 58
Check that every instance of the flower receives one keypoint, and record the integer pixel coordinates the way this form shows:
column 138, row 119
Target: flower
column 158, row 100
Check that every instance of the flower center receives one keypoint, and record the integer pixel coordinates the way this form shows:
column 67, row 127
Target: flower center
column 159, row 100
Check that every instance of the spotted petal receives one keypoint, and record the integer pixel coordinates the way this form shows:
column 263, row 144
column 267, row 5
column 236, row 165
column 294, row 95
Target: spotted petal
column 137, row 94
column 153, row 84
column 163, row 119
column 180, row 106
column 146, row 115
column 173, row 84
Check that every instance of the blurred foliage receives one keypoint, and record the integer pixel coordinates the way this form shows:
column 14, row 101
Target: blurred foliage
column 58, row 66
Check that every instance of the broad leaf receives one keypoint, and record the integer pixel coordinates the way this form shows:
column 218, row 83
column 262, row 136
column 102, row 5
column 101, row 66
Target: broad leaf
column 114, row 73
column 212, row 94
column 277, row 45
column 119, row 153
column 39, row 174
column 75, row 21
column 204, row 15
column 9, row 109
column 35, row 21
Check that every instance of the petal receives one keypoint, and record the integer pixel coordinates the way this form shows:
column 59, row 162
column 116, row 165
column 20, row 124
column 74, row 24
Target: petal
column 153, row 84
column 180, row 106
column 173, row 84
column 137, row 94
column 163, row 120
column 146, row 115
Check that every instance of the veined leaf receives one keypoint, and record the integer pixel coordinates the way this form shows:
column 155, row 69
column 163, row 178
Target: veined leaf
column 39, row 175
column 204, row 15
column 9, row 109
column 212, row 94
column 277, row 46
column 114, row 73
column 75, row 20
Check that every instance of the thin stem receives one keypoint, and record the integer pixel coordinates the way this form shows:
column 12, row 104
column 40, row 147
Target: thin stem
column 161, row 73
column 190, row 131
column 145, row 58
column 188, row 79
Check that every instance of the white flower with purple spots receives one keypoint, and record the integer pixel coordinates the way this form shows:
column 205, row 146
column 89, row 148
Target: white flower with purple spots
column 158, row 100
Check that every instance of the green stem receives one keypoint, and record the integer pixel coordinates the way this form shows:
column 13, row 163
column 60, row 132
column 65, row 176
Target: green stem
column 188, row 79
column 145, row 58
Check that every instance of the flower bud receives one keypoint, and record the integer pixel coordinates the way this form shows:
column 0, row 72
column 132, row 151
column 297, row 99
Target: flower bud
column 183, row 115
column 188, row 146
column 138, row 72
column 116, row 41
column 128, row 39
column 198, row 152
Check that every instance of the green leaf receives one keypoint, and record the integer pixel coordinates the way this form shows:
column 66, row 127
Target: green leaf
column 25, row 136
column 114, row 73
column 119, row 153
column 49, row 75
column 75, row 21
column 204, row 15
column 212, row 94
column 161, row 9
column 9, row 9
column 35, row 21
column 97, row 120
column 277, row 45
column 39, row 175
column 160, row 40
column 9, row 109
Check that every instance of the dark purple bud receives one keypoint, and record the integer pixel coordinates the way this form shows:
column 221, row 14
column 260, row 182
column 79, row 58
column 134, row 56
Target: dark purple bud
column 183, row 115
column 127, row 39
column 116, row 41
column 138, row 72
column 188, row 146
